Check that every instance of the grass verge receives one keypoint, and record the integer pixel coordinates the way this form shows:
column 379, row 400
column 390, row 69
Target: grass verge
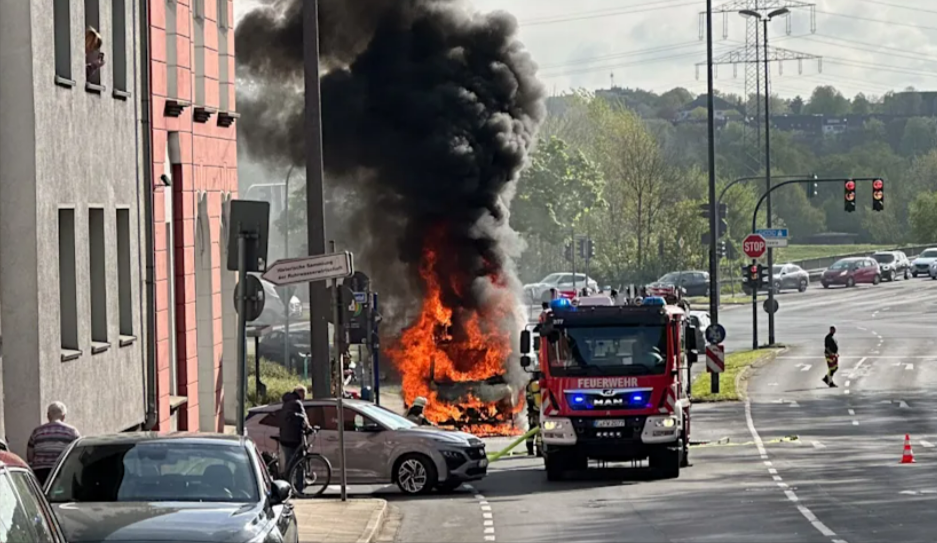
column 733, row 299
column 794, row 253
column 737, row 364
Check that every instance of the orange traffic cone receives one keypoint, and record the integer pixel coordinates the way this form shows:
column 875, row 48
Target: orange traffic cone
column 908, row 456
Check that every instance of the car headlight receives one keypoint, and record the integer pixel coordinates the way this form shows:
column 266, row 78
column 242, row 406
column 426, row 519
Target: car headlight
column 552, row 424
column 665, row 422
column 455, row 455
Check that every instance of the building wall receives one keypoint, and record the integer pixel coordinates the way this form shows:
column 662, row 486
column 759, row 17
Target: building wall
column 68, row 146
column 195, row 147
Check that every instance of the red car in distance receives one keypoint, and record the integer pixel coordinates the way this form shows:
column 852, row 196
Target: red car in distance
column 852, row 271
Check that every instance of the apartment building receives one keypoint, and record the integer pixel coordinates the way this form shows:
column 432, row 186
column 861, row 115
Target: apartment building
column 71, row 312
column 193, row 160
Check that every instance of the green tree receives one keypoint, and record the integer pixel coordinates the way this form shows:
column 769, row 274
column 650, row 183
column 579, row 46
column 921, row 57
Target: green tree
column 920, row 136
column 861, row 105
column 826, row 100
column 923, row 217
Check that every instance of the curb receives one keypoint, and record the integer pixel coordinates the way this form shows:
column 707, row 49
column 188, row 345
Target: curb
column 375, row 523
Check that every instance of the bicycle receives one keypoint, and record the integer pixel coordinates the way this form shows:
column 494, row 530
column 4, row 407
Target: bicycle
column 309, row 470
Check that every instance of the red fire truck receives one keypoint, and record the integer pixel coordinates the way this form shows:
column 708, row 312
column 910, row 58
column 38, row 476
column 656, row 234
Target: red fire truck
column 614, row 383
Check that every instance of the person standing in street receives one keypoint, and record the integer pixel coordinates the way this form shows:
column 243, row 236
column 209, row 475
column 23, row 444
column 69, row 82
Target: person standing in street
column 831, row 350
column 49, row 440
column 293, row 424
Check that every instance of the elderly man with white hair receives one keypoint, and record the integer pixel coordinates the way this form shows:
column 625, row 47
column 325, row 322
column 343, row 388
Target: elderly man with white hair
column 49, row 440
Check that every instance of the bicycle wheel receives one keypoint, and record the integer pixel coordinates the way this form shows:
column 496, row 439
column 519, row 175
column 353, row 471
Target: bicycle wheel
column 310, row 476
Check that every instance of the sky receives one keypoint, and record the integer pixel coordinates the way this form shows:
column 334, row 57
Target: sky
column 868, row 46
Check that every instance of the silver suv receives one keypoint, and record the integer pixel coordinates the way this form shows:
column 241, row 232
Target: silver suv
column 381, row 447
column 894, row 264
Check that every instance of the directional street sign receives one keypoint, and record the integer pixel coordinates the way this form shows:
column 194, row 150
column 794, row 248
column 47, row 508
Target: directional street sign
column 754, row 246
column 715, row 359
column 361, row 297
column 774, row 237
column 306, row 269
column 715, row 333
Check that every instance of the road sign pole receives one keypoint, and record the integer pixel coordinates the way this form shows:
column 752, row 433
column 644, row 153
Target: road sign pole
column 368, row 373
column 375, row 345
column 242, row 333
column 337, row 341
column 755, row 311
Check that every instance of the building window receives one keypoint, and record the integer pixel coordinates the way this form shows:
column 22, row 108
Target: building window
column 98, row 277
column 68, row 296
column 172, row 56
column 63, row 46
column 119, row 43
column 223, row 76
column 124, row 286
column 198, row 26
column 94, row 56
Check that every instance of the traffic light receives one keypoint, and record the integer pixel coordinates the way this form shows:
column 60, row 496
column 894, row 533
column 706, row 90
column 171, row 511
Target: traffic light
column 591, row 253
column 750, row 273
column 850, row 195
column 721, row 248
column 581, row 247
column 878, row 195
column 722, row 211
column 763, row 279
column 569, row 252
column 812, row 190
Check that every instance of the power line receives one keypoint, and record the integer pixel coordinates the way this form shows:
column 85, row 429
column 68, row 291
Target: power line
column 856, row 48
column 669, row 4
column 877, row 46
column 899, row 6
column 653, row 60
column 613, row 56
column 880, row 21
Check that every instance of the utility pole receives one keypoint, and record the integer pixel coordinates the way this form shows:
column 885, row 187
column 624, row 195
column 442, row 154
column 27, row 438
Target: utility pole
column 713, row 208
column 319, row 299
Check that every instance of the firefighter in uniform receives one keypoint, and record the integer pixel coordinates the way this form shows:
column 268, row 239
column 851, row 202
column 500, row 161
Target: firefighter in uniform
column 534, row 444
column 831, row 350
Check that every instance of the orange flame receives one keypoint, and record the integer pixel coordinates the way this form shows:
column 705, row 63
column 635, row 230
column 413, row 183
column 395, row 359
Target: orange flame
column 457, row 347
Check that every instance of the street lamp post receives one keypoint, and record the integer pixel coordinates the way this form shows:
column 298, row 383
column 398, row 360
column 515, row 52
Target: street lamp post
column 765, row 19
column 713, row 208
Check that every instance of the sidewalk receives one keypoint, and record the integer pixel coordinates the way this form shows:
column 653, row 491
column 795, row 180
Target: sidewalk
column 331, row 521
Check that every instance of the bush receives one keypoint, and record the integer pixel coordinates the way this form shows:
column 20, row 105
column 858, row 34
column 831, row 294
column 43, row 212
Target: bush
column 278, row 379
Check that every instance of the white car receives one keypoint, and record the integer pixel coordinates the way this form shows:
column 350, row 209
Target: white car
column 562, row 282
column 933, row 270
column 703, row 317
column 922, row 263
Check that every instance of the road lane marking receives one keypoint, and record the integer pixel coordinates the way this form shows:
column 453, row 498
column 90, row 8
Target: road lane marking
column 791, row 495
column 909, row 367
column 772, row 471
column 855, row 423
column 927, row 444
column 488, row 530
column 847, row 383
column 852, row 412
column 903, row 404
column 846, row 391
column 806, row 367
column 818, row 445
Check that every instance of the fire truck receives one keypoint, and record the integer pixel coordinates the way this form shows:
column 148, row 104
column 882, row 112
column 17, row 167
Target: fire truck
column 614, row 382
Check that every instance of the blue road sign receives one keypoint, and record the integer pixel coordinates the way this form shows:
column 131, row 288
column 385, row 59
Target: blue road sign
column 772, row 233
column 715, row 334
column 361, row 297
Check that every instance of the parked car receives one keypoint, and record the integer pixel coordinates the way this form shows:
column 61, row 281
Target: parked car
column 25, row 515
column 173, row 487
column 381, row 447
column 852, row 271
column 694, row 283
column 921, row 264
column 933, row 270
column 271, row 345
column 787, row 277
column 894, row 264
column 567, row 284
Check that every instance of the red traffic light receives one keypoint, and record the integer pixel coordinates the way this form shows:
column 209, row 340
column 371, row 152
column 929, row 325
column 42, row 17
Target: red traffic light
column 850, row 185
column 878, row 184
column 754, row 269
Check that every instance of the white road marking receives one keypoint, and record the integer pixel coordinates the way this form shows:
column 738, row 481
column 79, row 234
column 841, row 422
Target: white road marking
column 909, row 367
column 489, row 523
column 490, row 538
column 847, row 383
column 486, row 508
column 804, row 367
column 903, row 404
column 791, row 495
column 489, row 530
column 856, row 368
column 768, row 463
column 846, row 391
column 777, row 478
column 487, row 515
column 927, row 444
column 483, row 502
column 772, row 471
column 855, row 423
column 818, row 445
column 862, row 328
column 852, row 412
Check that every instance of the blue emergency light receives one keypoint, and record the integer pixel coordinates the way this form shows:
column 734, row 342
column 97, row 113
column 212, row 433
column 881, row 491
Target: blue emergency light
column 561, row 304
column 653, row 300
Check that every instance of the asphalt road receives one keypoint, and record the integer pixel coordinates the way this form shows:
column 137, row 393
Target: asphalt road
column 841, row 481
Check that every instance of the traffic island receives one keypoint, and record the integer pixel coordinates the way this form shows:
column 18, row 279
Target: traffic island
column 733, row 381
column 334, row 521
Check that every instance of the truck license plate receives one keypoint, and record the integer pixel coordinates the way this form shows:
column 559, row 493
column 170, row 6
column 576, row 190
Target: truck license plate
column 613, row 423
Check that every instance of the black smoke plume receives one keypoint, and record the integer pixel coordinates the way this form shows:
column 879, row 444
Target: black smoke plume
column 428, row 111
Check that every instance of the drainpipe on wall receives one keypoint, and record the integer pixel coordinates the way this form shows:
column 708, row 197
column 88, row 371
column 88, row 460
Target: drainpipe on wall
column 147, row 179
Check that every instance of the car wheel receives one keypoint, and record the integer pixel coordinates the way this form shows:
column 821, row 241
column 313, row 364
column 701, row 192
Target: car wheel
column 415, row 474
column 907, row 274
column 850, row 282
column 914, row 275
column 825, row 284
column 802, row 287
column 877, row 279
column 891, row 276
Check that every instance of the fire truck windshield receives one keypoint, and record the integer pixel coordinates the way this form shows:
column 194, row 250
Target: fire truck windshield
column 609, row 350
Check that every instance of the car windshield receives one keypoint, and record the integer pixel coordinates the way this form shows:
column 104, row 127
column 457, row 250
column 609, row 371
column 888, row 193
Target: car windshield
column 930, row 253
column 776, row 270
column 884, row 258
column 609, row 350
column 391, row 420
column 155, row 472
column 552, row 278
column 843, row 265
column 669, row 278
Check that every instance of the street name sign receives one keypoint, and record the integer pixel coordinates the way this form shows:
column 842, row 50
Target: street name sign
column 754, row 246
column 774, row 237
column 307, row 269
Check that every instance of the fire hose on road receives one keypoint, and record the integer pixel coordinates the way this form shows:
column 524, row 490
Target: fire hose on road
column 532, row 432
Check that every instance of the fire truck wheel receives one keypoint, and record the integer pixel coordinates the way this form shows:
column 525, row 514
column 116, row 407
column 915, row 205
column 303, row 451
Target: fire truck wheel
column 667, row 462
column 415, row 474
column 555, row 463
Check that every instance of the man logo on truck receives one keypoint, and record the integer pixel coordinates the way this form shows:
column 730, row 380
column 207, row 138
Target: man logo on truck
column 608, row 402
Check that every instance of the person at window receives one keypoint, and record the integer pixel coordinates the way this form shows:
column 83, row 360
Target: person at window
column 293, row 424
column 94, row 57
column 47, row 441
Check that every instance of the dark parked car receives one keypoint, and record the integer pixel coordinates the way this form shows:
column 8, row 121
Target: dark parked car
column 788, row 277
column 694, row 283
column 25, row 515
column 271, row 345
column 852, row 271
column 894, row 264
column 205, row 488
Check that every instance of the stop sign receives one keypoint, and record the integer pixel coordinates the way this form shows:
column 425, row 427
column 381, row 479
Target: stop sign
column 754, row 246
